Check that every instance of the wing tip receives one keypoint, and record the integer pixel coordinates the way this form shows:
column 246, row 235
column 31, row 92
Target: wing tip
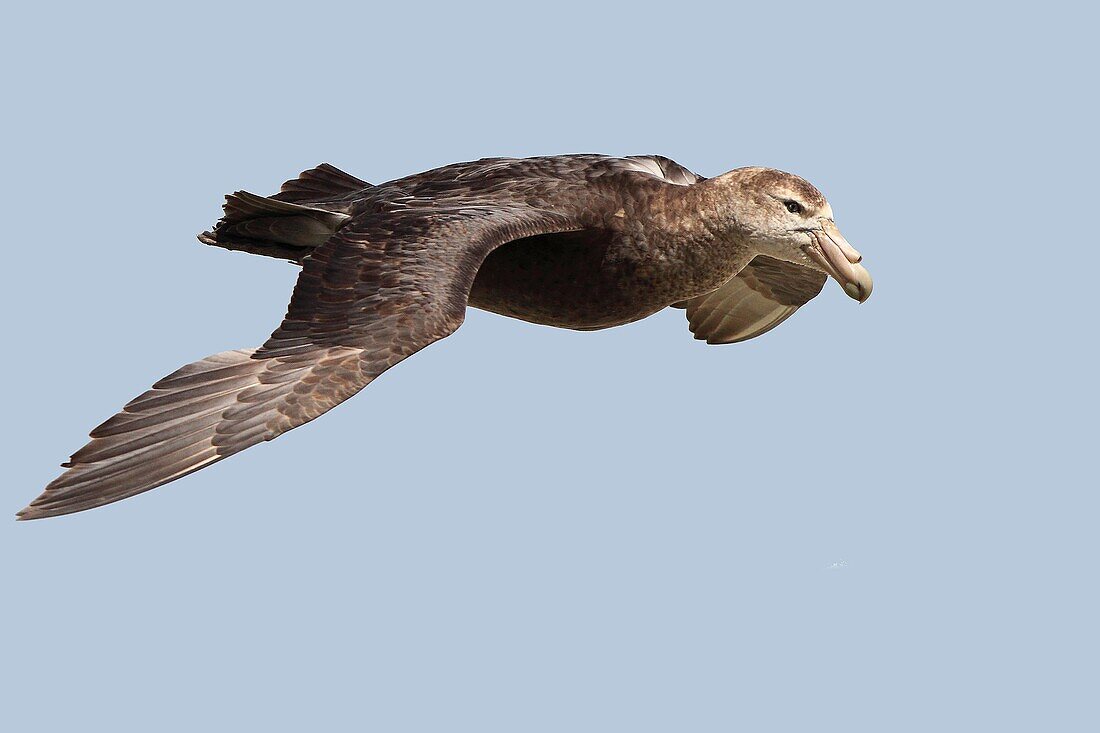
column 698, row 334
column 30, row 511
column 47, row 504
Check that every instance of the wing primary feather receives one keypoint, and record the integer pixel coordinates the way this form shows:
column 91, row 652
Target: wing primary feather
column 155, row 439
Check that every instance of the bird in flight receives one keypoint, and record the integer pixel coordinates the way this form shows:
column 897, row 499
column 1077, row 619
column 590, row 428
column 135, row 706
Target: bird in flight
column 575, row 241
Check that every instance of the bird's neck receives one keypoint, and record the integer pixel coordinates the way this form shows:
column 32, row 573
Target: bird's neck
column 695, row 226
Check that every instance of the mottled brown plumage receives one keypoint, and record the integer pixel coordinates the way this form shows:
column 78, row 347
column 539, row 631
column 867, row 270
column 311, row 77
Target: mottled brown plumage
column 576, row 241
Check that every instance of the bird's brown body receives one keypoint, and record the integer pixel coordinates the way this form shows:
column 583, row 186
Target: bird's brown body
column 643, row 245
column 577, row 241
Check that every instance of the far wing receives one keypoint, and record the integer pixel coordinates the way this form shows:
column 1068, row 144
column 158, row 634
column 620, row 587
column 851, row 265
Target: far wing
column 760, row 297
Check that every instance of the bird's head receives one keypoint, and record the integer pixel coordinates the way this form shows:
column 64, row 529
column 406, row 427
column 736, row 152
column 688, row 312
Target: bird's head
column 783, row 216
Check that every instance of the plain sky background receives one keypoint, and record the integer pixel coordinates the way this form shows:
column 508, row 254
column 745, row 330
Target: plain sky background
column 874, row 518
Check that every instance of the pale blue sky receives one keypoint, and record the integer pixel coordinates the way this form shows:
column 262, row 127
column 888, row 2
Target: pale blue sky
column 874, row 518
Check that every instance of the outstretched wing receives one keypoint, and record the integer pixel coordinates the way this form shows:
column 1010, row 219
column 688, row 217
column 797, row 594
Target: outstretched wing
column 760, row 297
column 380, row 289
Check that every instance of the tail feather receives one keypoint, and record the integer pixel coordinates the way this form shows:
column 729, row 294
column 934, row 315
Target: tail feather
column 288, row 225
column 267, row 226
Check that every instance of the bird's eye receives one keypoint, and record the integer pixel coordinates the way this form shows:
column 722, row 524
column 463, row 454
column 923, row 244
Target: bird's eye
column 793, row 206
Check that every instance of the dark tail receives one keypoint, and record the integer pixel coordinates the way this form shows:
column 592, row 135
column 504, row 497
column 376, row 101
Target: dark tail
column 304, row 214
